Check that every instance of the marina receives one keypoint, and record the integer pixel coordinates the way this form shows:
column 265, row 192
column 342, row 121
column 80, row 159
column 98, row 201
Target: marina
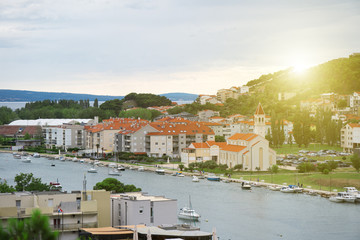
column 235, row 213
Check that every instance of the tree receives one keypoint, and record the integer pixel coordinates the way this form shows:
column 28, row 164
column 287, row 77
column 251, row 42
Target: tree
column 37, row 228
column 27, row 182
column 219, row 138
column 355, row 160
column 274, row 168
column 96, row 103
column 181, row 166
column 5, row 188
column 114, row 185
column 27, row 136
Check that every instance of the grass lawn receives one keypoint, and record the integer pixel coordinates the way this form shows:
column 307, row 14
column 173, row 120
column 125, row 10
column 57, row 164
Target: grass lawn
column 334, row 180
column 314, row 147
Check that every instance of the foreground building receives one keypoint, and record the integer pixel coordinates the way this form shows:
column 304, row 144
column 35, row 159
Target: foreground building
column 67, row 212
column 137, row 208
column 350, row 137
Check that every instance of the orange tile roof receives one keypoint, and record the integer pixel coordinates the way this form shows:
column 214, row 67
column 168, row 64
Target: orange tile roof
column 220, row 144
column 354, row 125
column 200, row 145
column 233, row 148
column 243, row 136
column 117, row 124
column 174, row 128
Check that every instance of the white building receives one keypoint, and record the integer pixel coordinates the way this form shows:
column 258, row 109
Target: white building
column 350, row 137
column 137, row 208
column 65, row 136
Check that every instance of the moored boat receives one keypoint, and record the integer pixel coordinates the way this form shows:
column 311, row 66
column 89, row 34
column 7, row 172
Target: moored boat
column 213, row 177
column 274, row 187
column 160, row 171
column 27, row 160
column 141, row 169
column 188, row 214
column 92, row 170
column 287, row 189
column 246, row 185
column 195, row 179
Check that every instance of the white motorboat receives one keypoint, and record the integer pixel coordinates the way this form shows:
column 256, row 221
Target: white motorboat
column 97, row 162
column 195, row 179
column 246, row 185
column 141, row 169
column 181, row 175
column 36, row 155
column 188, row 214
column 17, row 156
column 275, row 188
column 27, row 160
column 296, row 188
column 287, row 190
column 347, row 197
column 114, row 172
column 81, row 161
column 354, row 192
column 75, row 159
column 160, row 171
column 112, row 165
column 121, row 168
column 92, row 170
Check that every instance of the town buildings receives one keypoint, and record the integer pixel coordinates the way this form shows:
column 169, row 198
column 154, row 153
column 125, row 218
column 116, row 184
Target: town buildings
column 138, row 208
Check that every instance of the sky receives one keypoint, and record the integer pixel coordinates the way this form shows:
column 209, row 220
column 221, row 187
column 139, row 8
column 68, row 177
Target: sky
column 114, row 47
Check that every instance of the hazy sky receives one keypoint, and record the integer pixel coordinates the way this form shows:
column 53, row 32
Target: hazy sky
column 114, row 47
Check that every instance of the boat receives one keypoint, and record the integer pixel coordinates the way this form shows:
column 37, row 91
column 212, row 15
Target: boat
column 141, row 169
column 27, row 160
column 246, row 185
column 92, row 170
column 36, row 155
column 287, row 189
column 354, row 192
column 160, row 171
column 225, row 181
column 81, row 161
column 55, row 185
column 201, row 177
column 114, row 172
column 97, row 162
column 181, row 175
column 75, row 159
column 17, row 156
column 121, row 168
column 296, row 188
column 187, row 213
column 195, row 179
column 112, row 165
column 347, row 197
column 53, row 164
column 213, row 177
column 62, row 159
column 275, row 188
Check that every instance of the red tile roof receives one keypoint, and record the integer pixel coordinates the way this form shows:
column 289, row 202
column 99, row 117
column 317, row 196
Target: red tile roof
column 243, row 136
column 233, row 148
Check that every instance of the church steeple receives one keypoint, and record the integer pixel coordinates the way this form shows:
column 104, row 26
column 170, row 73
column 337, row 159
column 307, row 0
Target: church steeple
column 259, row 118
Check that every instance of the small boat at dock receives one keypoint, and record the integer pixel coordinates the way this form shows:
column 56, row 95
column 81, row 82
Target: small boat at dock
column 246, row 185
column 213, row 177
column 195, row 179
column 27, row 160
column 160, row 171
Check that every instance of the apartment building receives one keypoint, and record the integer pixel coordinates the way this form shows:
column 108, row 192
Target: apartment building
column 205, row 115
column 137, row 208
column 64, row 136
column 102, row 136
column 67, row 212
column 172, row 137
column 350, row 137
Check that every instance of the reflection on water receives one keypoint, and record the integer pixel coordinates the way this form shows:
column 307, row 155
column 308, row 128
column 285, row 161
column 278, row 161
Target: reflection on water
column 236, row 214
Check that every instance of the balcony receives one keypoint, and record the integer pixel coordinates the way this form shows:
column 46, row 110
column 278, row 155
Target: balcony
column 73, row 226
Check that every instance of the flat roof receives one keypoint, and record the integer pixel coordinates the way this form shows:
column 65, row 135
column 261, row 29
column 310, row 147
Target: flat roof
column 141, row 197
column 107, row 231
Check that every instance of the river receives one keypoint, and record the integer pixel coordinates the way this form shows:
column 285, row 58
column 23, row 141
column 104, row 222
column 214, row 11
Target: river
column 236, row 213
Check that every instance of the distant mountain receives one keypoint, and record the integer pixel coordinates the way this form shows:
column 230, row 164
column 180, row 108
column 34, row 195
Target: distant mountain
column 180, row 96
column 7, row 95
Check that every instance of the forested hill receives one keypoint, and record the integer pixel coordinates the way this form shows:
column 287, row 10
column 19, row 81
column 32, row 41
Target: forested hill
column 32, row 96
column 340, row 76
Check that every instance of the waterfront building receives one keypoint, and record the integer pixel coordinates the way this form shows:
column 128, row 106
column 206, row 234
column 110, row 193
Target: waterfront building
column 101, row 137
column 172, row 137
column 64, row 136
column 350, row 137
column 138, row 208
column 67, row 212
column 250, row 150
column 133, row 138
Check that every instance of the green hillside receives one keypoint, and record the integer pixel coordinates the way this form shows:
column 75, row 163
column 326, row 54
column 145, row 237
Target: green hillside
column 340, row 76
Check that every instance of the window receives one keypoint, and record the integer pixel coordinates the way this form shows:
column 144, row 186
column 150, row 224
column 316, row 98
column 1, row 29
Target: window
column 141, row 210
column 18, row 203
column 156, row 143
column 50, row 202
